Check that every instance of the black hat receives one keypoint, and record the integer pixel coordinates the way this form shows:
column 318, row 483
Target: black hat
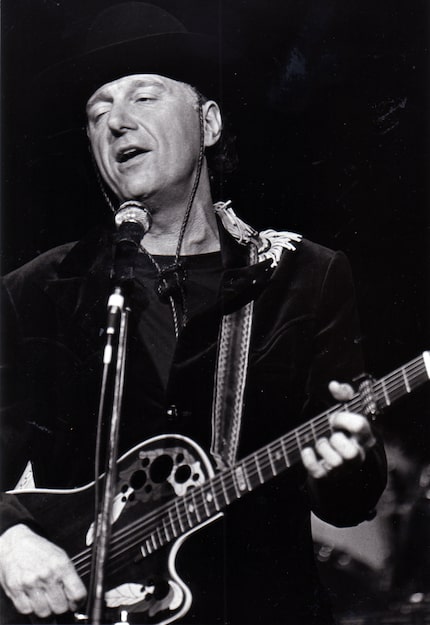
column 137, row 38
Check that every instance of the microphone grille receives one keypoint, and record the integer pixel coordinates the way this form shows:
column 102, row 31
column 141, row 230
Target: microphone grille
column 133, row 211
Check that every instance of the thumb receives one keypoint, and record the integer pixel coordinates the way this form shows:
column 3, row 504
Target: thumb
column 341, row 392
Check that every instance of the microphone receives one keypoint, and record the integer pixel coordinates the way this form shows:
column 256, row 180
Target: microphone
column 133, row 220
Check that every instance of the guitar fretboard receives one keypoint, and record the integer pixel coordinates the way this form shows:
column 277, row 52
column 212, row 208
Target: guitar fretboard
column 204, row 502
column 201, row 503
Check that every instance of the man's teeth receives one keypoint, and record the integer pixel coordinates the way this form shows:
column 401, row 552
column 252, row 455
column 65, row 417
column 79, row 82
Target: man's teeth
column 128, row 154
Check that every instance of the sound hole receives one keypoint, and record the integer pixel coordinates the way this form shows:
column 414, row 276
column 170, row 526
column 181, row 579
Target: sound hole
column 137, row 480
column 182, row 474
column 161, row 468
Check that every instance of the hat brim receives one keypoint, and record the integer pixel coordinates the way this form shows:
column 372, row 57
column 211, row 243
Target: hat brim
column 187, row 57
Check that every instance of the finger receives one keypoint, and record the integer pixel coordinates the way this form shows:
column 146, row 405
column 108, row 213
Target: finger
column 347, row 448
column 57, row 599
column 341, row 392
column 330, row 455
column 21, row 602
column 312, row 463
column 355, row 425
column 74, row 588
column 39, row 602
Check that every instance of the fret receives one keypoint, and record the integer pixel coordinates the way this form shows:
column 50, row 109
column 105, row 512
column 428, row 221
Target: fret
column 215, row 500
column 236, row 488
column 166, row 531
column 277, row 458
column 207, row 498
column 154, row 542
column 306, row 436
column 327, row 430
column 250, row 474
column 196, row 508
column 272, row 466
column 265, row 464
column 148, row 546
column 190, row 509
column 159, row 537
column 299, row 443
column 314, row 436
column 181, row 526
column 205, row 505
column 239, row 480
column 406, row 381
column 385, row 392
column 172, row 524
column 257, row 464
column 284, row 451
column 226, row 497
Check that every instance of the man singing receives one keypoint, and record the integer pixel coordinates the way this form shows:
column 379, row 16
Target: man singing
column 234, row 339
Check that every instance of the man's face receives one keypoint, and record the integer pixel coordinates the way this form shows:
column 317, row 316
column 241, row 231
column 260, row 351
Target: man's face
column 144, row 133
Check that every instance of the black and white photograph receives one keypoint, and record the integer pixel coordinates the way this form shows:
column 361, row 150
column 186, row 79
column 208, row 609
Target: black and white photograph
column 215, row 312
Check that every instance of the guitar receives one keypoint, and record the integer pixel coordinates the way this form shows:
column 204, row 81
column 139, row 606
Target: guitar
column 166, row 490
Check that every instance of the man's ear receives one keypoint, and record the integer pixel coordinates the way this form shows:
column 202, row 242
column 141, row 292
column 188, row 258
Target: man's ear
column 212, row 122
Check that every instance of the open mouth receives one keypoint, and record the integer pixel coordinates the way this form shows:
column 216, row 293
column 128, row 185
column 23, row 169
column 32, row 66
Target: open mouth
column 128, row 154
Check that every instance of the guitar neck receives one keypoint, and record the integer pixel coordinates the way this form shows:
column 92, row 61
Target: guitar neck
column 202, row 503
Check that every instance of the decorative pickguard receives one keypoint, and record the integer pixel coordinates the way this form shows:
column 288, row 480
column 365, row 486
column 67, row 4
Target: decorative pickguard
column 158, row 471
column 138, row 598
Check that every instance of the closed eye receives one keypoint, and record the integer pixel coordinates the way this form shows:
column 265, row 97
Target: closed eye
column 144, row 97
column 97, row 115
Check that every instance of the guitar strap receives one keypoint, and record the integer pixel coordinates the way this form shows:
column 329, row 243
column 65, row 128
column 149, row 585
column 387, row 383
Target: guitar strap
column 230, row 379
column 235, row 336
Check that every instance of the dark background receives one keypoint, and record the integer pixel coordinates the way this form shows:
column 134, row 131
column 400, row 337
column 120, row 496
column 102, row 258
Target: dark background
column 332, row 137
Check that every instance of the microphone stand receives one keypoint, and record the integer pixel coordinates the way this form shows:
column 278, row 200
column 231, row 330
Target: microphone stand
column 114, row 359
column 133, row 221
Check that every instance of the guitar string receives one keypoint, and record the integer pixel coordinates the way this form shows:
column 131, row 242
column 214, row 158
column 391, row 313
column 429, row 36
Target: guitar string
column 274, row 448
column 184, row 518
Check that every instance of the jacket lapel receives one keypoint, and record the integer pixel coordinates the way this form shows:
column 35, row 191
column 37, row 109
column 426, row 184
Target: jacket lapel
column 240, row 282
column 80, row 290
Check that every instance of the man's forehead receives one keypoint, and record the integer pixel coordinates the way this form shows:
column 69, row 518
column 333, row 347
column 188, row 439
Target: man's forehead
column 135, row 81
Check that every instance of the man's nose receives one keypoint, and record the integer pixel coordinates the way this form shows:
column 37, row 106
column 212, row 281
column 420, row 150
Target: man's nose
column 120, row 119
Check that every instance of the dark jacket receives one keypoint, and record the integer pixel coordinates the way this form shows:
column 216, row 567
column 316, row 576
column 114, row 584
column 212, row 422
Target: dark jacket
column 305, row 333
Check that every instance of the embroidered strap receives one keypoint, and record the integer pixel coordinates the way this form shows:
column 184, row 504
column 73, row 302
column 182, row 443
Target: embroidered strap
column 235, row 336
column 230, row 379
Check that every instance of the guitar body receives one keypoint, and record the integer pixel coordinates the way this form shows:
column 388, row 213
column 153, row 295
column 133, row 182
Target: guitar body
column 140, row 578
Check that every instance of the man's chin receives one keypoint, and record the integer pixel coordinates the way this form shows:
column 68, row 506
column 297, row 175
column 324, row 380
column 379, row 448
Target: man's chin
column 126, row 194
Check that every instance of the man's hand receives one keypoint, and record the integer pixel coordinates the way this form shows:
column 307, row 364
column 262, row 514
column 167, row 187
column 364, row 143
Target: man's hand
column 37, row 575
column 347, row 445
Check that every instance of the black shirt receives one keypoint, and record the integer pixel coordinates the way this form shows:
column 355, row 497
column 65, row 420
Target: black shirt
column 156, row 324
